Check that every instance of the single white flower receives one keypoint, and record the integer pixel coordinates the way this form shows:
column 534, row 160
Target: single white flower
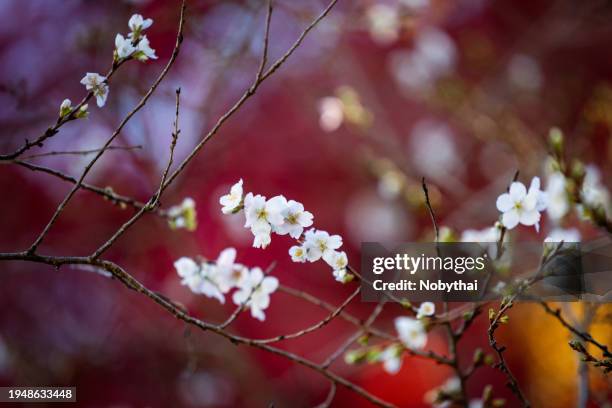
column 337, row 260
column 144, row 50
column 261, row 215
column 594, row 193
column 319, row 244
column 96, row 84
column 331, row 113
column 426, row 309
column 391, row 358
column 137, row 23
column 341, row 275
column 231, row 201
column 65, row 107
column 520, row 206
column 298, row 253
column 259, row 211
column 295, row 219
column 411, row 332
column 565, row 235
column 255, row 293
column 384, row 23
column 123, row 46
column 558, row 203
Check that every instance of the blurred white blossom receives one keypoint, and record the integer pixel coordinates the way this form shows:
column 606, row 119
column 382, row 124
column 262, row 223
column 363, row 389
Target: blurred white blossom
column 383, row 23
column 411, row 332
column 426, row 309
column 391, row 357
column 183, row 215
column 558, row 203
column 331, row 113
column 524, row 72
column 594, row 193
column 433, row 56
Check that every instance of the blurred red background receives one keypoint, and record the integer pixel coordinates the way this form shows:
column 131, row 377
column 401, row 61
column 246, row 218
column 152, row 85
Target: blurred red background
column 516, row 68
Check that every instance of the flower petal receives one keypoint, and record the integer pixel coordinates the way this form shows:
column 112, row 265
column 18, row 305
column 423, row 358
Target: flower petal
column 517, row 191
column 510, row 219
column 504, row 202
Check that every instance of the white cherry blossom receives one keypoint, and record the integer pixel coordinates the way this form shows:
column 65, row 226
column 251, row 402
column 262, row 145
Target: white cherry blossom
column 320, row 244
column 144, row 50
column 231, row 202
column 255, row 293
column 189, row 272
column 96, row 84
column 594, row 193
column 411, row 332
column 298, row 253
column 522, row 206
column 123, row 47
column 426, row 309
column 209, row 286
column 229, row 274
column 558, row 203
column 391, row 358
column 65, row 107
column 137, row 23
column 295, row 219
column 341, row 275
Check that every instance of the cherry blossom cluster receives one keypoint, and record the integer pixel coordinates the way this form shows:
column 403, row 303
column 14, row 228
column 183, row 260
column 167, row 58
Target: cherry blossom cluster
column 286, row 217
column 218, row 278
column 136, row 45
column 183, row 215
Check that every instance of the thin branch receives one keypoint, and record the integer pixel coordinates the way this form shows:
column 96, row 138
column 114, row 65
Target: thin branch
column 132, row 283
column 315, row 327
column 330, row 396
column 266, row 40
column 153, row 201
column 61, row 120
column 140, row 105
column 79, row 152
column 556, row 313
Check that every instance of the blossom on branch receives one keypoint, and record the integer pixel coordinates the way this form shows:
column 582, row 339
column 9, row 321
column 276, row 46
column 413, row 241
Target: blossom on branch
column 123, row 47
column 426, row 309
column 137, row 24
column 96, row 84
column 183, row 215
column 255, row 293
column 519, row 205
column 411, row 332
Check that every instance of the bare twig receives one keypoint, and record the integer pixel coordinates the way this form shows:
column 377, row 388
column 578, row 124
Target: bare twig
column 79, row 152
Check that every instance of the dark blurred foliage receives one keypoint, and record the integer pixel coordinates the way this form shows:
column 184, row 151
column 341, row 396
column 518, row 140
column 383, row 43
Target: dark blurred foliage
column 74, row 327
